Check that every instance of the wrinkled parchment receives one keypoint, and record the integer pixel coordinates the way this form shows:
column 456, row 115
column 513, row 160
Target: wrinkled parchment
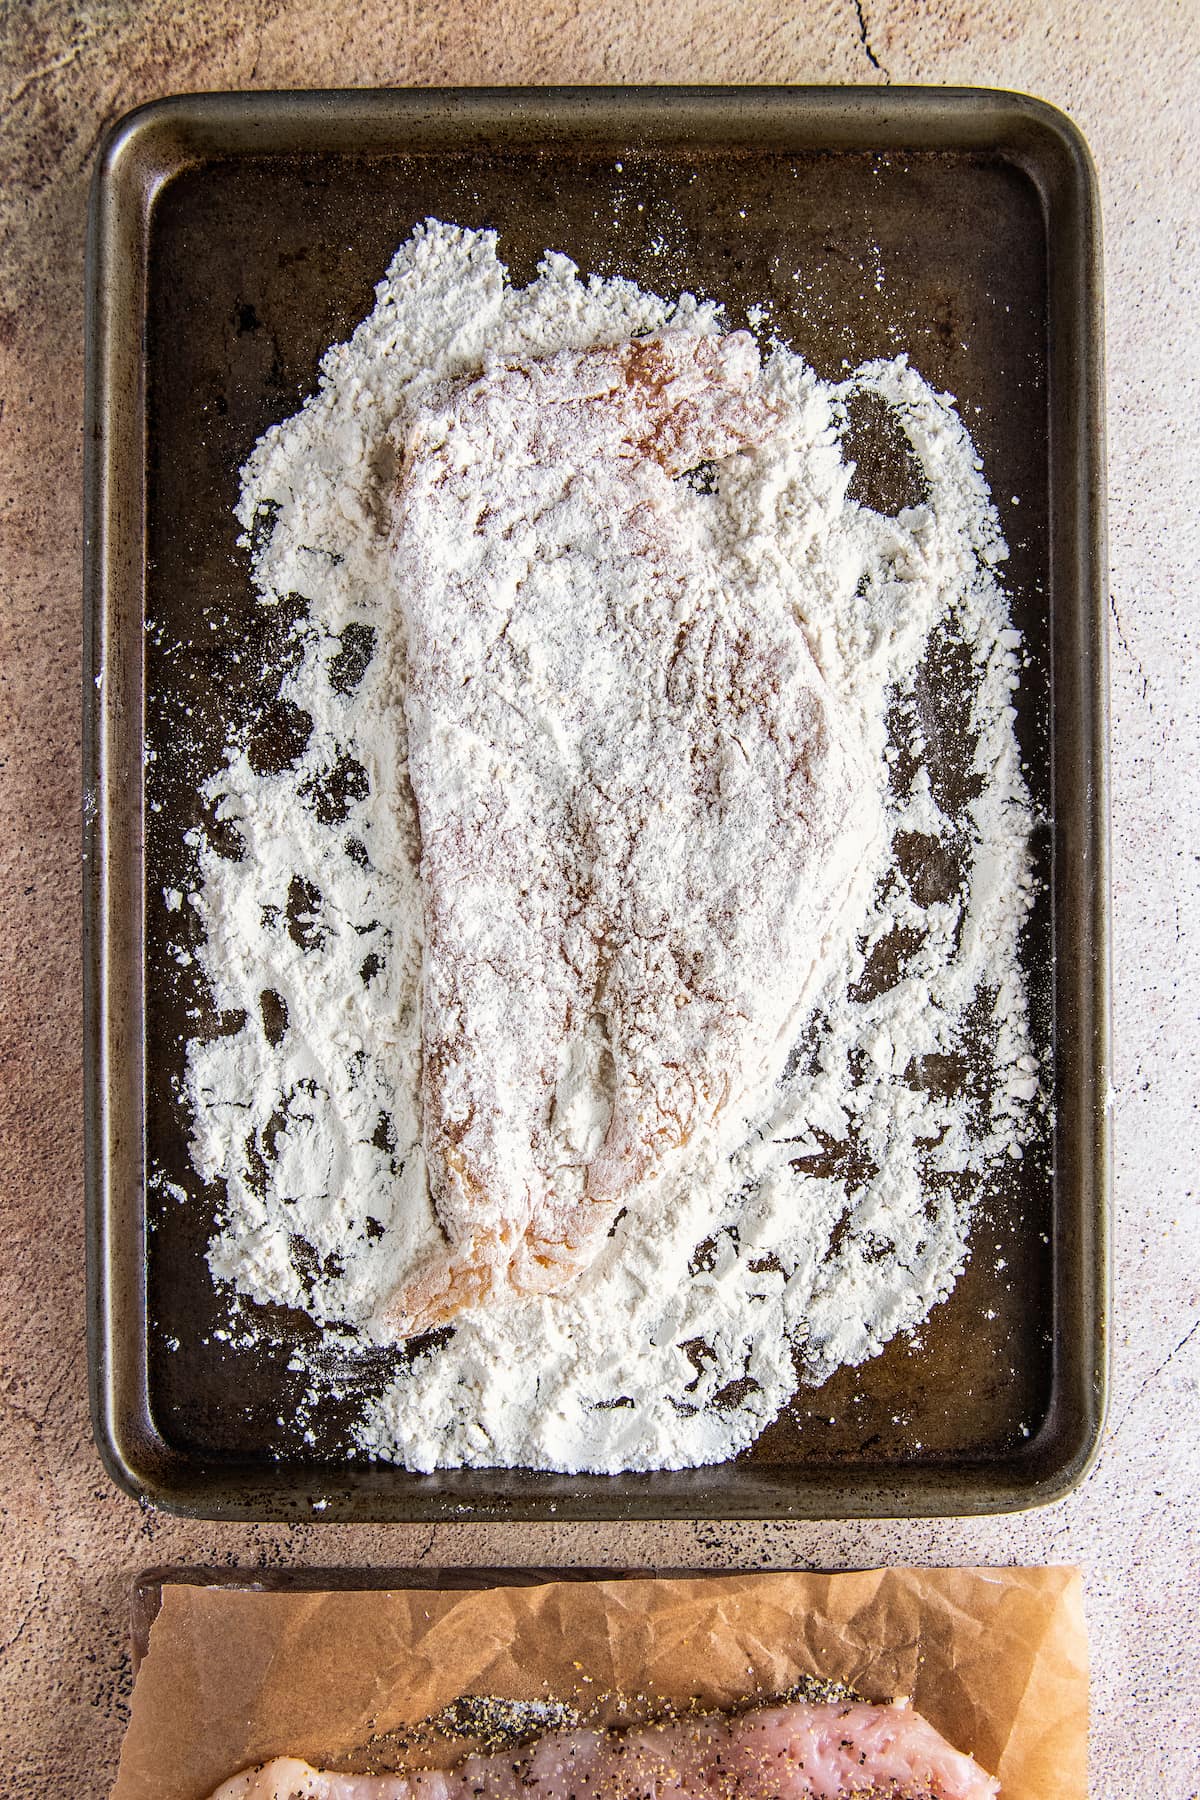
column 995, row 1658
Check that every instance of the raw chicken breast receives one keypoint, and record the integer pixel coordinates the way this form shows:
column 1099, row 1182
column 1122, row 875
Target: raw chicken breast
column 836, row 1751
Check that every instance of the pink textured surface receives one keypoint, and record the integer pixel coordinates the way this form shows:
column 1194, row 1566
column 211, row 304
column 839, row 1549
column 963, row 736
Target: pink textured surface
column 71, row 1542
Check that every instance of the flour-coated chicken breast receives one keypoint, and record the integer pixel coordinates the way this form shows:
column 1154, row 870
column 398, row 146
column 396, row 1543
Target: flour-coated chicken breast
column 641, row 810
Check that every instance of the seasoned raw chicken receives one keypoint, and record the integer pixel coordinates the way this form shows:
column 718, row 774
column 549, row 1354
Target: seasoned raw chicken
column 640, row 811
column 849, row 1751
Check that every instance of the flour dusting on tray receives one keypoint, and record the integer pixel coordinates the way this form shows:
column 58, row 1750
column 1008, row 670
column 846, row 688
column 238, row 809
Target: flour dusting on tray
column 828, row 1209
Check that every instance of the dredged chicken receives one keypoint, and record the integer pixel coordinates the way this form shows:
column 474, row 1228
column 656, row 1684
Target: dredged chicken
column 640, row 810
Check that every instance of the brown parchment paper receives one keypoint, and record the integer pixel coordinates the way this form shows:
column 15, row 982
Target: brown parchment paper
column 995, row 1658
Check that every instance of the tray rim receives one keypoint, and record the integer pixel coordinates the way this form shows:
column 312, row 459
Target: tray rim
column 138, row 155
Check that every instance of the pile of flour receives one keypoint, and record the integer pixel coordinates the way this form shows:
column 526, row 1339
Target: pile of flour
column 844, row 1216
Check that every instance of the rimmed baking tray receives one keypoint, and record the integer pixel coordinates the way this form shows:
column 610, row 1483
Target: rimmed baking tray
column 234, row 237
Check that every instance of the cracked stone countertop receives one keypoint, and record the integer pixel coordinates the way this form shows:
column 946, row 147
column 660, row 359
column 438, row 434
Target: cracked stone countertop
column 1131, row 79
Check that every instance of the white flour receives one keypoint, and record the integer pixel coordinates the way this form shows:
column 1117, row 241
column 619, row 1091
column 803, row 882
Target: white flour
column 844, row 1216
column 638, row 799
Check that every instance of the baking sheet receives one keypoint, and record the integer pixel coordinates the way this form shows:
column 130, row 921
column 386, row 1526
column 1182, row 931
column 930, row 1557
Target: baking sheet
column 260, row 224
column 996, row 1659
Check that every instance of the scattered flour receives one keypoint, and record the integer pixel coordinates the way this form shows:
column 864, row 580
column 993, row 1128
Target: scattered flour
column 843, row 1216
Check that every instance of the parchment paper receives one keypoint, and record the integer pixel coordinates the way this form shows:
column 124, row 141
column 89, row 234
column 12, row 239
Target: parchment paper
column 995, row 1658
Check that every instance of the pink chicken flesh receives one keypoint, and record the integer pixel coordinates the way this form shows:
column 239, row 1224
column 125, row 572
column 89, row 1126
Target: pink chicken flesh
column 839, row 1751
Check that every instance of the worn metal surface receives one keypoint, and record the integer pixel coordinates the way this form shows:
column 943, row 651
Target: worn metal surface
column 258, row 229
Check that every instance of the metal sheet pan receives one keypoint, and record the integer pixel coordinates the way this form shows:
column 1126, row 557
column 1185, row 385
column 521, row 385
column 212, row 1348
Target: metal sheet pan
column 232, row 238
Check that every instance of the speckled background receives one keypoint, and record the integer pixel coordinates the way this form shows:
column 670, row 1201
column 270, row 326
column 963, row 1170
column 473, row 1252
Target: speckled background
column 70, row 1542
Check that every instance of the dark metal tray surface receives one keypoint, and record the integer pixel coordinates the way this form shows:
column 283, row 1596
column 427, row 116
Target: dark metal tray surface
column 233, row 238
